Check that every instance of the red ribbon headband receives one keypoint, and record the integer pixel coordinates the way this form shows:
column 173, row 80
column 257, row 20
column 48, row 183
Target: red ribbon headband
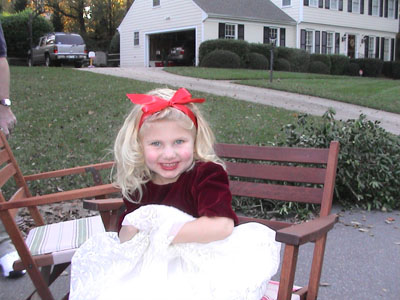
column 152, row 104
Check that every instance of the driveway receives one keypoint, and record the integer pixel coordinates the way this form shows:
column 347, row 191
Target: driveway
column 302, row 103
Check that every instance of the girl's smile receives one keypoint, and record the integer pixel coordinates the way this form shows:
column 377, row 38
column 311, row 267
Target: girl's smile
column 168, row 149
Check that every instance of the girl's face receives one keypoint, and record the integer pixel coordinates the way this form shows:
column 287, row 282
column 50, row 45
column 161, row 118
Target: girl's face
column 168, row 149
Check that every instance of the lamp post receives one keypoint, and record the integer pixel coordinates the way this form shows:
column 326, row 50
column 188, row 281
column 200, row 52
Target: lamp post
column 271, row 65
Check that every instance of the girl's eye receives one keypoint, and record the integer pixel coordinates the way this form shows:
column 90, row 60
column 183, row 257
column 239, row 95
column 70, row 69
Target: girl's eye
column 179, row 142
column 155, row 144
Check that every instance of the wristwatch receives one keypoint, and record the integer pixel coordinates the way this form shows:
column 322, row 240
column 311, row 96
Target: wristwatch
column 5, row 102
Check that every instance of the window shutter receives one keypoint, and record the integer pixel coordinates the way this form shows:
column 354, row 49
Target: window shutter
column 396, row 9
column 392, row 50
column 321, row 3
column 362, row 7
column 317, row 42
column 305, row 2
column 266, row 35
column 349, row 5
column 323, row 46
column 282, row 39
column 240, row 32
column 303, row 39
column 341, row 5
column 366, row 45
column 221, row 31
column 382, row 48
column 327, row 2
column 337, row 43
column 381, row 8
column 386, row 8
column 377, row 48
column 370, row 7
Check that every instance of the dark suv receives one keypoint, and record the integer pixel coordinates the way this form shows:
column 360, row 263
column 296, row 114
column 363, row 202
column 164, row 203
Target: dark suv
column 57, row 48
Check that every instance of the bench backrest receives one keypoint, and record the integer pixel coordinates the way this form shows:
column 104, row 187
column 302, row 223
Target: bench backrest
column 303, row 175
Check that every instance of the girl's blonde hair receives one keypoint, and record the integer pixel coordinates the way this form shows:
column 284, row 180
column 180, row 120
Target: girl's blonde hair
column 131, row 170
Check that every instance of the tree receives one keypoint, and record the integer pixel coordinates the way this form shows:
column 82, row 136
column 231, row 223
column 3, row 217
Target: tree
column 20, row 5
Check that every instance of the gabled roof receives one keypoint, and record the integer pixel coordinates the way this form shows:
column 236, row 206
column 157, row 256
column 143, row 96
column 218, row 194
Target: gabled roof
column 246, row 10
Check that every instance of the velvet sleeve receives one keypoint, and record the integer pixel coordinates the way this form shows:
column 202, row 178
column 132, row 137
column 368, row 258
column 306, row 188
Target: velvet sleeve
column 211, row 190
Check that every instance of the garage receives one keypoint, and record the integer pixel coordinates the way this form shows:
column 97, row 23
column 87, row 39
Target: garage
column 175, row 48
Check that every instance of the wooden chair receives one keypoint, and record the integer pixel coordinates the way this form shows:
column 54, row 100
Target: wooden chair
column 300, row 175
column 44, row 268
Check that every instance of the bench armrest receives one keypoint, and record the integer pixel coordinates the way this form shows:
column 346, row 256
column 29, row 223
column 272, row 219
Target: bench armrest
column 306, row 232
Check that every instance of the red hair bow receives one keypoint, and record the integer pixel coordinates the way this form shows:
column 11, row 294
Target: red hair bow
column 152, row 104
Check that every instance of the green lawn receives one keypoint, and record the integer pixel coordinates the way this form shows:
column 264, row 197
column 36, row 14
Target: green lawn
column 379, row 93
column 68, row 117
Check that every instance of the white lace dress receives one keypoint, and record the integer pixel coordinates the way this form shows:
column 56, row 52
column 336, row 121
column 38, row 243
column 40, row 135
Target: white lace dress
column 149, row 267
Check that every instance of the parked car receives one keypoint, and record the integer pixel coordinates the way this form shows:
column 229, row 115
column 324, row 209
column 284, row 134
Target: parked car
column 57, row 48
column 182, row 55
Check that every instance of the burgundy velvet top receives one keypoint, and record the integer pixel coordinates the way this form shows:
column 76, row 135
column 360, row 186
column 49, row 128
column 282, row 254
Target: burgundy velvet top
column 202, row 191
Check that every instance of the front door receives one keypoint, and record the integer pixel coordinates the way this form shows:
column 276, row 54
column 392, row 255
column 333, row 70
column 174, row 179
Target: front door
column 351, row 46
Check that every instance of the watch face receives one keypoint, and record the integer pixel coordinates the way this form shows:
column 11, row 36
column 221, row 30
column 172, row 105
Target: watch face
column 6, row 102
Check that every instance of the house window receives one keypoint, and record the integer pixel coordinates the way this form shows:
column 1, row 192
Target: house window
column 329, row 43
column 314, row 3
column 371, row 47
column 273, row 35
column 230, row 31
column 136, row 38
column 391, row 9
column 156, row 3
column 375, row 7
column 356, row 5
column 386, row 52
column 309, row 41
column 334, row 4
column 286, row 2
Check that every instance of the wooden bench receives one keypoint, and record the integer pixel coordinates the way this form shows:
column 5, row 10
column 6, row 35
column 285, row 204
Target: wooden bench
column 300, row 175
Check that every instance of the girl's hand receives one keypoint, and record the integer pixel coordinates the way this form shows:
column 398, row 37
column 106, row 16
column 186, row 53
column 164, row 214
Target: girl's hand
column 127, row 232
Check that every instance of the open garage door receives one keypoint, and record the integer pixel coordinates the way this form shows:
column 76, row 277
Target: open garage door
column 172, row 48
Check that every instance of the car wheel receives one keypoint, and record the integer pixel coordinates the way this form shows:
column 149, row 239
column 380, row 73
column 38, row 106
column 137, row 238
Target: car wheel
column 47, row 60
column 78, row 64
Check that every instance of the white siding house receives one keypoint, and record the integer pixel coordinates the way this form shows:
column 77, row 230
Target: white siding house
column 355, row 28
column 152, row 27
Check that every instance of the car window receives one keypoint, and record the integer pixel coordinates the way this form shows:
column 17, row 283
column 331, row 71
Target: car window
column 42, row 41
column 50, row 40
column 69, row 39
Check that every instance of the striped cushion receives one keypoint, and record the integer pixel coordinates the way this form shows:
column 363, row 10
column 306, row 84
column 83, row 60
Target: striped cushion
column 272, row 291
column 63, row 236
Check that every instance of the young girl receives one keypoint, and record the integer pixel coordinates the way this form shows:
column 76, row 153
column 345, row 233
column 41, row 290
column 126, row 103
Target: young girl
column 177, row 237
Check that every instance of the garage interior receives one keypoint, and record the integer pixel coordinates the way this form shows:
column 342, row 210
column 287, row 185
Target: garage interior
column 161, row 45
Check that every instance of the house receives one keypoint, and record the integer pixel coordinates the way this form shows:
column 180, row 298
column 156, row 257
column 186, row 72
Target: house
column 355, row 28
column 152, row 29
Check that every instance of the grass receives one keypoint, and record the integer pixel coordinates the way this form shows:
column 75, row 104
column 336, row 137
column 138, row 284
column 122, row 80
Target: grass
column 378, row 93
column 68, row 117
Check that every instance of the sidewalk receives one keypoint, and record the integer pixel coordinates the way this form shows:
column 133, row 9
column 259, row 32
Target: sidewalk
column 302, row 103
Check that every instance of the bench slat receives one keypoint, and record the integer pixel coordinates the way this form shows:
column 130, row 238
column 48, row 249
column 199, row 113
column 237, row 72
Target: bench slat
column 285, row 154
column 275, row 172
column 276, row 192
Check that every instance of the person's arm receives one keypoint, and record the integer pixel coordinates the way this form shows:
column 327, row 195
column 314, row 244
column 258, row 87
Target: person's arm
column 7, row 118
column 205, row 230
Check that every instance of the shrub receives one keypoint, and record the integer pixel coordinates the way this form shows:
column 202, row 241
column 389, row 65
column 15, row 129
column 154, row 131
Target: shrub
column 221, row 59
column 318, row 67
column 372, row 67
column 241, row 48
column 299, row 59
column 368, row 173
column 397, row 54
column 257, row 61
column 391, row 69
column 264, row 49
column 338, row 64
column 321, row 58
column 352, row 69
column 281, row 64
column 396, row 69
column 16, row 32
column 387, row 69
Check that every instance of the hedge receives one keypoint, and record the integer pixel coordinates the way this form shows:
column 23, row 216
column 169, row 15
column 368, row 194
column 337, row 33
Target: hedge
column 221, row 59
column 299, row 59
column 371, row 67
column 257, row 61
column 16, row 32
column 338, row 64
column 239, row 47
